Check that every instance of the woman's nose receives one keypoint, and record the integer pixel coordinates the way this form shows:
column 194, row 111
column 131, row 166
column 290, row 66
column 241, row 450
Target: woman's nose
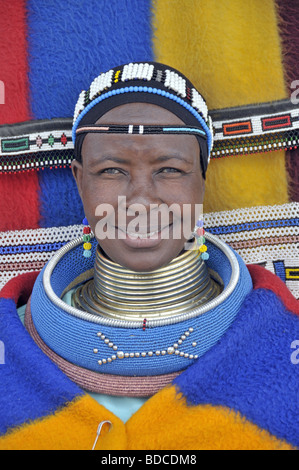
column 142, row 201
column 143, row 192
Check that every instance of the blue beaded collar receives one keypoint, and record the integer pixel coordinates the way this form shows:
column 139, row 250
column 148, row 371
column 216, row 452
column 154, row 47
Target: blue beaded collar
column 124, row 348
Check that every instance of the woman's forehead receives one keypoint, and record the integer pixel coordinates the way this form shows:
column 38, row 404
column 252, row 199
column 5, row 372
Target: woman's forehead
column 138, row 148
column 139, row 113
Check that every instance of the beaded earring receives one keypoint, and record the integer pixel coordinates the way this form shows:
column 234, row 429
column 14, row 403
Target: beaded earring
column 200, row 240
column 86, row 238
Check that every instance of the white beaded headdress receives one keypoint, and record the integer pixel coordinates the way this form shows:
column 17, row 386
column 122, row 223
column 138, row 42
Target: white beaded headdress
column 147, row 82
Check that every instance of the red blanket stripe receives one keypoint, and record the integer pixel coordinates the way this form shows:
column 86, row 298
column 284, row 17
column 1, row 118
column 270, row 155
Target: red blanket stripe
column 19, row 288
column 13, row 60
column 19, row 202
column 19, row 206
column 264, row 279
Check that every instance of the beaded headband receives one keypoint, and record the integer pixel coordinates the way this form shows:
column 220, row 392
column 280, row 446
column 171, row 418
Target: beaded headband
column 148, row 82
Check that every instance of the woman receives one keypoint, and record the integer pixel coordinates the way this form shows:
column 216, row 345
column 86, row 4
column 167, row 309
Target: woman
column 179, row 344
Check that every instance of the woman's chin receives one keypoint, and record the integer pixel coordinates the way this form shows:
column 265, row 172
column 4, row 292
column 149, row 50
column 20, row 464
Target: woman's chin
column 144, row 256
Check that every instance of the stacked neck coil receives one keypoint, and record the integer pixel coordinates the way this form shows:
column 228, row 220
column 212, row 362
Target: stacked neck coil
column 119, row 293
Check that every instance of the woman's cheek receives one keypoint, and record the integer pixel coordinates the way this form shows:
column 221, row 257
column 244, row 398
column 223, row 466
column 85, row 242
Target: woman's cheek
column 100, row 213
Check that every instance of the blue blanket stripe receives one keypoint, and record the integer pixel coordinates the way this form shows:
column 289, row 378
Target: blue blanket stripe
column 250, row 370
column 31, row 386
column 103, row 34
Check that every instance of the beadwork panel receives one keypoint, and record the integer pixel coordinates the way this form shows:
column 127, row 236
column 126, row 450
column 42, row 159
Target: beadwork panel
column 265, row 235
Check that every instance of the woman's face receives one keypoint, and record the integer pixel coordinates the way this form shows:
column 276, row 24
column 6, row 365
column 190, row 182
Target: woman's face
column 141, row 193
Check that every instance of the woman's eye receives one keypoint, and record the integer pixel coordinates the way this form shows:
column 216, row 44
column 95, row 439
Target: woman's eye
column 111, row 171
column 170, row 170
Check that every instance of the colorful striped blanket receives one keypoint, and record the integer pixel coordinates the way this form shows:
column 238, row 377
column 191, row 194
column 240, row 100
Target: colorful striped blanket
column 241, row 394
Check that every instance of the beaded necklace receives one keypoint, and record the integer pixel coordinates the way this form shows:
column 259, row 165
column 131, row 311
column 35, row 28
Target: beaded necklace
column 106, row 354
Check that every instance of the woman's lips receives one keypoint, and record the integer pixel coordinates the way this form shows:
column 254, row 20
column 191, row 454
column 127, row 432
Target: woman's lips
column 142, row 239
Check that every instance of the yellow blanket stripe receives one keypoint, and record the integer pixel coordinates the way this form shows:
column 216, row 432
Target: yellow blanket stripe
column 71, row 428
column 165, row 420
column 231, row 51
column 75, row 426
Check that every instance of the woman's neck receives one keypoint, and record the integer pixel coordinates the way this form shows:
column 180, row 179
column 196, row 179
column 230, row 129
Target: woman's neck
column 119, row 293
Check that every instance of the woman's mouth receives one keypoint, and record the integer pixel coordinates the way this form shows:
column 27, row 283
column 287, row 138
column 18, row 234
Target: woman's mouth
column 135, row 235
column 145, row 239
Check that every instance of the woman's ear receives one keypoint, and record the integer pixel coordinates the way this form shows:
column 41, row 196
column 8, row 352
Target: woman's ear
column 77, row 170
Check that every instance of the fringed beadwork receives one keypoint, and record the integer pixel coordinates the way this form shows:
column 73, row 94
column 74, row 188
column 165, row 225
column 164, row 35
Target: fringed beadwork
column 238, row 131
column 200, row 240
column 86, row 239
